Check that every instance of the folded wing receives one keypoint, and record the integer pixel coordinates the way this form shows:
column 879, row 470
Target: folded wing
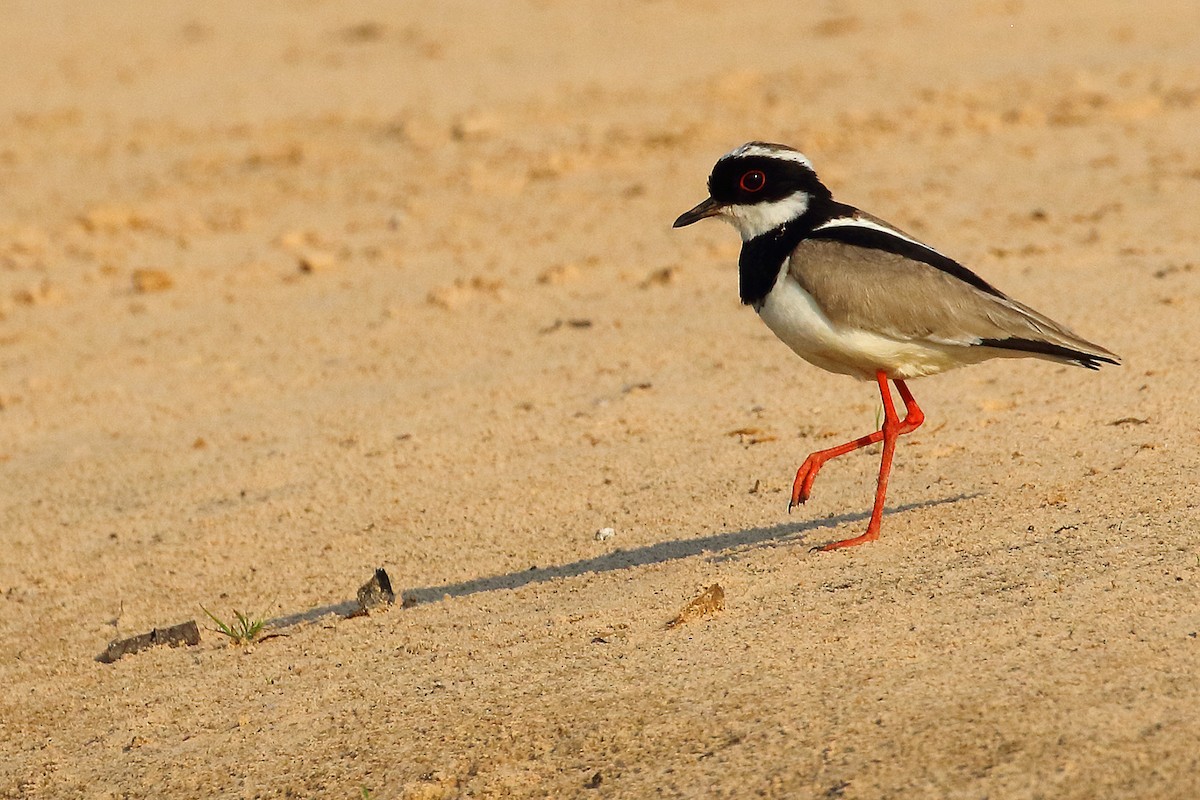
column 865, row 274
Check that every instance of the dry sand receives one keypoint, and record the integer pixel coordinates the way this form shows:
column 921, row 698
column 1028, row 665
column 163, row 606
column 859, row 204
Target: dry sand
column 293, row 290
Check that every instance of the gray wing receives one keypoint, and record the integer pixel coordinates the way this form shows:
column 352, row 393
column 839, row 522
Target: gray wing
column 895, row 295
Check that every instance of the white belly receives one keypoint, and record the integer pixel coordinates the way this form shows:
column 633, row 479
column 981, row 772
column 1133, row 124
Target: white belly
column 794, row 316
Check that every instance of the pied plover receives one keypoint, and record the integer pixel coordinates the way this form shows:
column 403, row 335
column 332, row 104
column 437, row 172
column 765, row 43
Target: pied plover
column 855, row 295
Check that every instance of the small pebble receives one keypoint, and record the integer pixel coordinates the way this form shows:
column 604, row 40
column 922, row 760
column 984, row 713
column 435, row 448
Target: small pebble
column 316, row 261
column 604, row 534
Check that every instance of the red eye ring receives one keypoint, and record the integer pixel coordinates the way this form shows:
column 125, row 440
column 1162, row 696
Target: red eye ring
column 753, row 181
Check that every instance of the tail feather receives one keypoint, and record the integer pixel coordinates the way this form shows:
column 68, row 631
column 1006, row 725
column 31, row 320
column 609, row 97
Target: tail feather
column 1090, row 358
column 1033, row 333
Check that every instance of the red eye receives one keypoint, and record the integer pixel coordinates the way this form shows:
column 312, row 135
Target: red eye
column 753, row 181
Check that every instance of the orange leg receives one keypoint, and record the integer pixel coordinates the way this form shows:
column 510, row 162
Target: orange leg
column 893, row 428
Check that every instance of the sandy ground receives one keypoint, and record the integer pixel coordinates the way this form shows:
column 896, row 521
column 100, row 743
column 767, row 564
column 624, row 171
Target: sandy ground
column 292, row 291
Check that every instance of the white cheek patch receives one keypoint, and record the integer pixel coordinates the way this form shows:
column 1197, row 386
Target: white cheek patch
column 755, row 219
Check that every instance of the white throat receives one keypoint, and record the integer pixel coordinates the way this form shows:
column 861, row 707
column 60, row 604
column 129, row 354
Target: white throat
column 755, row 219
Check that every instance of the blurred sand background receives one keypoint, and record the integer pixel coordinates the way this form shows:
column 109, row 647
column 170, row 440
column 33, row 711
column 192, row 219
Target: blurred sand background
column 289, row 291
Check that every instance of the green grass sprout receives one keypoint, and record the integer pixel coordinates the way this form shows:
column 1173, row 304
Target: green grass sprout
column 243, row 629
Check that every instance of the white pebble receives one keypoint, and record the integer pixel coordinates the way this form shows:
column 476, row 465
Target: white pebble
column 604, row 534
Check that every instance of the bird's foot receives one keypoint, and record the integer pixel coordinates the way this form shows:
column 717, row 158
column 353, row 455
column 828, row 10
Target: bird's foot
column 802, row 486
column 871, row 535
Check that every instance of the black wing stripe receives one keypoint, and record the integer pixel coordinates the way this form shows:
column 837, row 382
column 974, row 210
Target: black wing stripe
column 1089, row 360
column 874, row 239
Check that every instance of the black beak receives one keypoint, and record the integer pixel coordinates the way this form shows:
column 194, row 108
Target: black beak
column 708, row 208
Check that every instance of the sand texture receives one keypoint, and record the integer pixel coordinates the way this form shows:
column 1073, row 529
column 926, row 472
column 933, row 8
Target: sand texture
column 292, row 291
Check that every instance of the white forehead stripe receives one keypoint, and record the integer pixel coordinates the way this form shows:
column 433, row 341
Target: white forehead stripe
column 760, row 149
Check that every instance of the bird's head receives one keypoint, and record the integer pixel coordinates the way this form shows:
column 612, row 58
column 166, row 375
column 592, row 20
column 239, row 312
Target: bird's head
column 758, row 188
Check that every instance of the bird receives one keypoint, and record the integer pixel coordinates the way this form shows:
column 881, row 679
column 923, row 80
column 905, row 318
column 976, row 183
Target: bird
column 855, row 295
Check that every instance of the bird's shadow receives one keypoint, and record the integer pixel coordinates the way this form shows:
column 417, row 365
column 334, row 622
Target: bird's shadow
column 721, row 545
